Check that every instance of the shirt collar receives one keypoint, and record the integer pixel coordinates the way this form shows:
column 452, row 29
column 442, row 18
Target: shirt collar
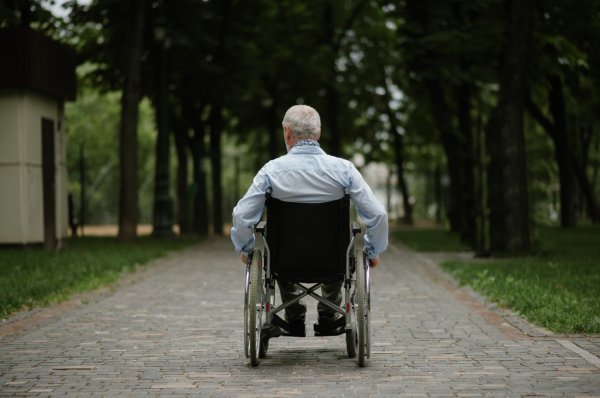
column 306, row 149
column 306, row 143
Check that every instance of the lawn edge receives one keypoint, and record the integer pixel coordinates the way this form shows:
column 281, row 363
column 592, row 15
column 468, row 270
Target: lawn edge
column 511, row 316
column 477, row 301
column 27, row 318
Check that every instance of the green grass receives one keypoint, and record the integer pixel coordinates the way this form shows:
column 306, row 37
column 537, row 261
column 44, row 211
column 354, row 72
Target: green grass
column 558, row 287
column 33, row 277
column 429, row 239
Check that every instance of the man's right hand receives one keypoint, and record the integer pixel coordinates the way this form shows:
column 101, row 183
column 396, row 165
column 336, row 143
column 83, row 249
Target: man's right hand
column 373, row 262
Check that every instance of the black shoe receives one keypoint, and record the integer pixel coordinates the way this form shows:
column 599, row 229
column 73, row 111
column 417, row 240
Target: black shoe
column 296, row 328
column 271, row 331
column 329, row 327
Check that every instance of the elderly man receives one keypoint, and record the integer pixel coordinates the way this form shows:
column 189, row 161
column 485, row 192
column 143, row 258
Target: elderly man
column 308, row 175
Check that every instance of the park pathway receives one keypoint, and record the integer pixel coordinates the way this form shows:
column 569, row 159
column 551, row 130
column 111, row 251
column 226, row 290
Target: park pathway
column 175, row 329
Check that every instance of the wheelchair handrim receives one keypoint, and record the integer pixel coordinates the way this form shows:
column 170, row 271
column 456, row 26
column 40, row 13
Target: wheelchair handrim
column 246, row 335
column 368, row 310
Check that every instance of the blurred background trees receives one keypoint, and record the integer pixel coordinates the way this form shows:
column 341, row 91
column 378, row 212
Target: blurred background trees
column 480, row 115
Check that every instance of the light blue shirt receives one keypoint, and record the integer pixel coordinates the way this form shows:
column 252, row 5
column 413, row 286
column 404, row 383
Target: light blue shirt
column 308, row 175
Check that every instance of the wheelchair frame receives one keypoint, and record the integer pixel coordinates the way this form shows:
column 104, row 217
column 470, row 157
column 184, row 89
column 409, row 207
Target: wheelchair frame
column 259, row 300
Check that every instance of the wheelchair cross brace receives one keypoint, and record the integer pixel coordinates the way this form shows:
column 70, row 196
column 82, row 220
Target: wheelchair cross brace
column 308, row 292
column 272, row 318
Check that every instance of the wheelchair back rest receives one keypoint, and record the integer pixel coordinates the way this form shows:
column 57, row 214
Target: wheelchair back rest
column 308, row 242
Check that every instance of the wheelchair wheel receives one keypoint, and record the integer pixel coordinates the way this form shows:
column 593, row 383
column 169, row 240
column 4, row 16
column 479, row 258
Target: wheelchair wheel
column 362, row 317
column 368, row 313
column 246, row 298
column 351, row 337
column 254, row 309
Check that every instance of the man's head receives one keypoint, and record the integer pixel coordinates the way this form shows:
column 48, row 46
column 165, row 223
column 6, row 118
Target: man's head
column 301, row 122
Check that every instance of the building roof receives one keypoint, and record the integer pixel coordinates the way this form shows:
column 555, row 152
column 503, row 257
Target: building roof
column 34, row 61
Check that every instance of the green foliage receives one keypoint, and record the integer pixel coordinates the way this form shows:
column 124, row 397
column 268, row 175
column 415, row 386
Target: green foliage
column 429, row 239
column 346, row 58
column 93, row 126
column 32, row 13
column 32, row 277
column 558, row 288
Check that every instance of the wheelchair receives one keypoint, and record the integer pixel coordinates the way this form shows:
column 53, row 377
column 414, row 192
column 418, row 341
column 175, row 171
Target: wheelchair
column 306, row 244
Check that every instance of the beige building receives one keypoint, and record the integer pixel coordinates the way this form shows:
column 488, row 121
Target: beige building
column 36, row 76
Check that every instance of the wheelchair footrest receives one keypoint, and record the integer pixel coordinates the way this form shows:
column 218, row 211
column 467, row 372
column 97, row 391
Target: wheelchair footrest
column 334, row 328
column 288, row 330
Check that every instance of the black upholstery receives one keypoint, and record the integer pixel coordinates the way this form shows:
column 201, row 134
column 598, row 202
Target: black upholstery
column 308, row 242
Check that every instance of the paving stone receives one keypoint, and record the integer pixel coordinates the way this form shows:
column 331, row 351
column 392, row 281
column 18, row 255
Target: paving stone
column 176, row 330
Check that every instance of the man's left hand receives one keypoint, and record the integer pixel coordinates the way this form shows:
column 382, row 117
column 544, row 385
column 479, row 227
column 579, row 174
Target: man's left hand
column 244, row 259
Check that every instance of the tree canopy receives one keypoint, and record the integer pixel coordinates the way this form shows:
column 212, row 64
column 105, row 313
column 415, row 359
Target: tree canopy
column 483, row 112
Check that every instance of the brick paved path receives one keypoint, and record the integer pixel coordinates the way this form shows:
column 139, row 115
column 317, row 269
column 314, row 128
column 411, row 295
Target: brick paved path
column 177, row 331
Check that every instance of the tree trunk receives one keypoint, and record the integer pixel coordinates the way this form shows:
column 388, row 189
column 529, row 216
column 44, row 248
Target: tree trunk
column 495, row 185
column 463, row 98
column 334, row 133
column 577, row 168
column 562, row 151
column 585, row 182
column 273, row 128
column 128, row 147
column 511, row 226
column 200, row 203
column 437, row 192
column 402, row 185
column 468, row 195
column 482, row 237
column 455, row 141
column 441, row 114
column 398, row 143
column 388, row 191
column 183, row 218
column 162, row 223
column 588, row 192
column 216, row 125
column 331, row 110
column 399, row 158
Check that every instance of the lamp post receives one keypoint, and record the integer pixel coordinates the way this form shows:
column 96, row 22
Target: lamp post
column 163, row 205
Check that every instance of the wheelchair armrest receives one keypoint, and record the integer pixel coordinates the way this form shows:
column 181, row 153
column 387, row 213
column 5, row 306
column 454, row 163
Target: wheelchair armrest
column 260, row 227
column 355, row 228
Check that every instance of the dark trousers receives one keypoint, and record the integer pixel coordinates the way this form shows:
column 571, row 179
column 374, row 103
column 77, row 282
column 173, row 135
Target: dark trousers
column 297, row 311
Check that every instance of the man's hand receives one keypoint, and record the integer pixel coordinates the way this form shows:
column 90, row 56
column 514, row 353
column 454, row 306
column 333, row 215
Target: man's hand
column 373, row 262
column 244, row 259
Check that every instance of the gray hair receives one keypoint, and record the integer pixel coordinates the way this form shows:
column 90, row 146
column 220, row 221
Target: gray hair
column 304, row 121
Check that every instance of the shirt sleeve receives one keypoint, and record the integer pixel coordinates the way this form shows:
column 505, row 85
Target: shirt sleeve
column 248, row 212
column 372, row 212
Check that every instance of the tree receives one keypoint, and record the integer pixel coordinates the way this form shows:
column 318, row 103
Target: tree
column 377, row 73
column 30, row 13
column 509, row 202
column 128, row 195
column 440, row 41
column 180, row 130
column 568, row 44
column 432, row 89
column 118, row 64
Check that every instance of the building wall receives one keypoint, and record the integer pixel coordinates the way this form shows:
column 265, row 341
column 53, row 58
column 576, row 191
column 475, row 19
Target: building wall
column 21, row 197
